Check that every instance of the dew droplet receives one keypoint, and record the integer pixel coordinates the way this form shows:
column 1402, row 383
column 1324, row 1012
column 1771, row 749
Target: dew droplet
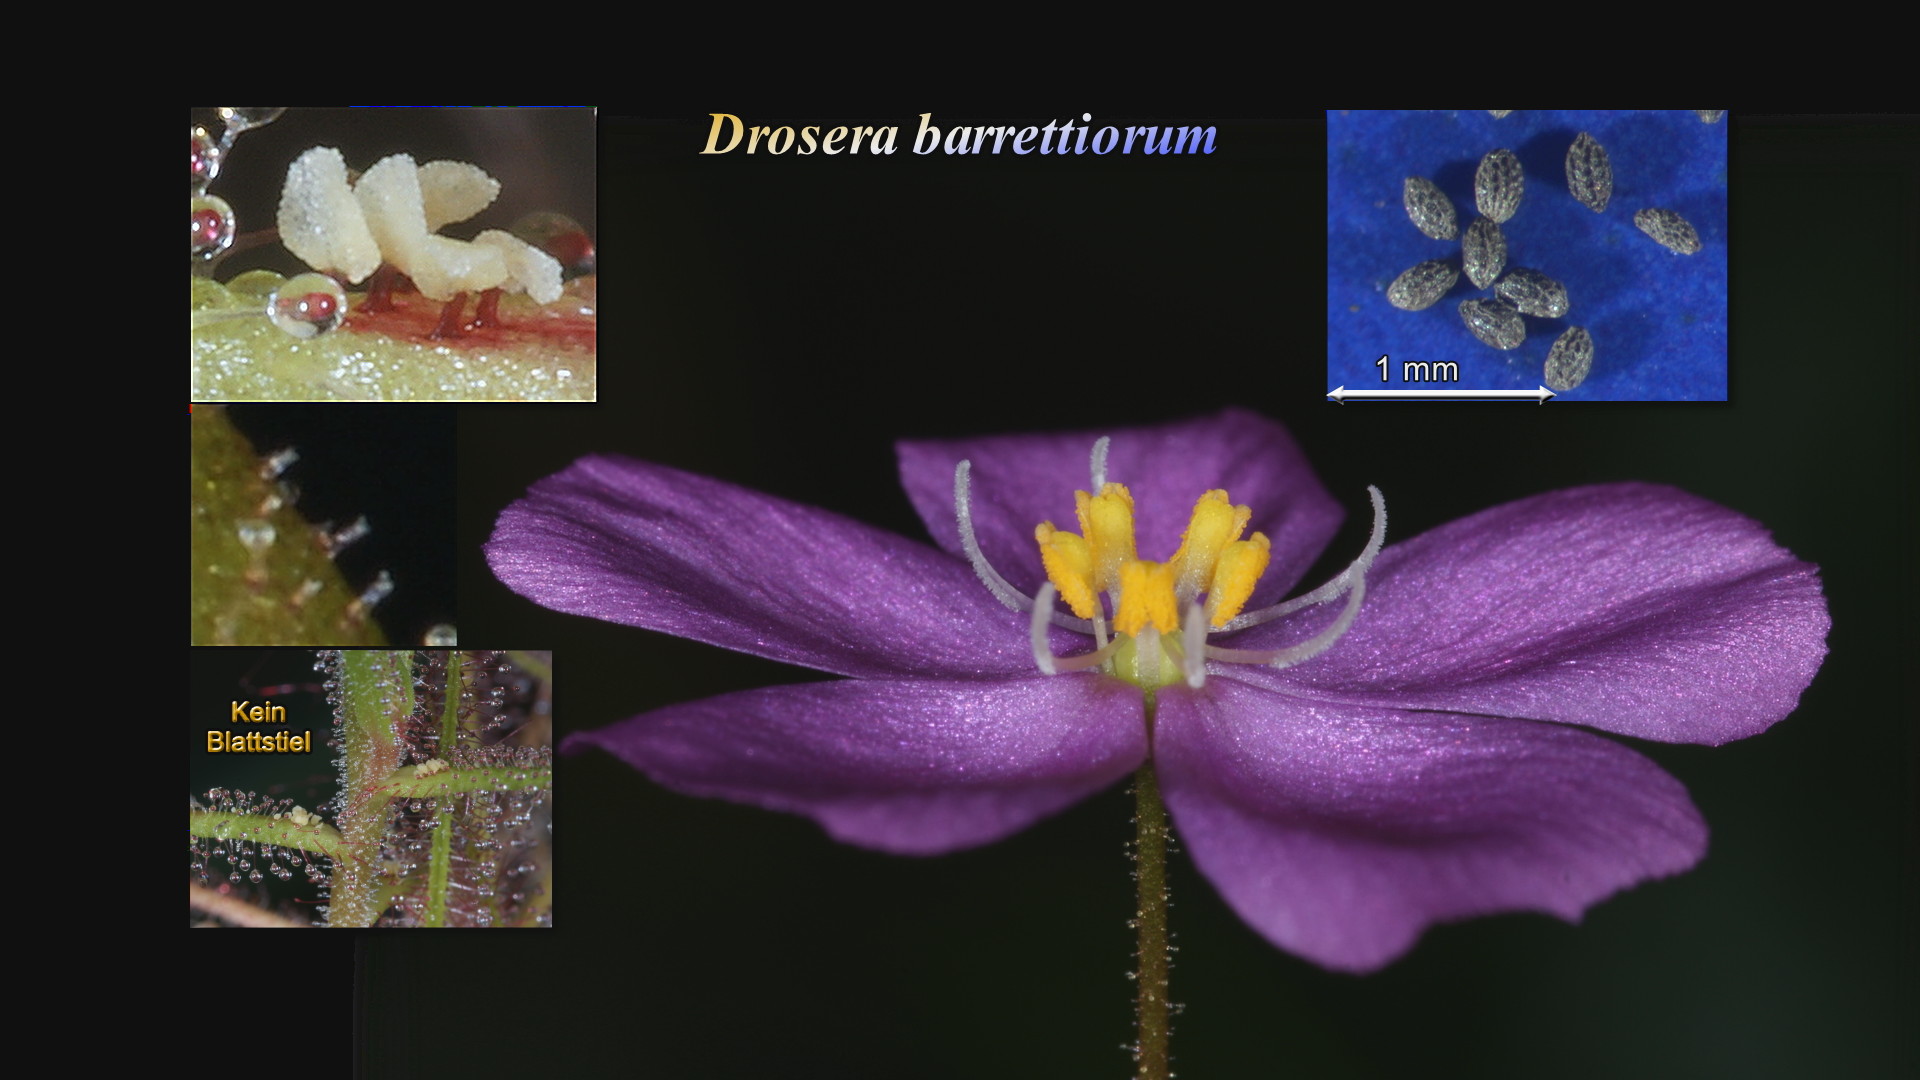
column 210, row 226
column 376, row 592
column 559, row 236
column 442, row 635
column 278, row 462
column 307, row 304
column 337, row 540
column 239, row 118
column 254, row 877
column 256, row 534
column 203, row 160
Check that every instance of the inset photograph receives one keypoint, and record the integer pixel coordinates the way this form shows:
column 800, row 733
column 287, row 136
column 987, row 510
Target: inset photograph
column 318, row 525
column 370, row 787
column 1497, row 252
column 392, row 254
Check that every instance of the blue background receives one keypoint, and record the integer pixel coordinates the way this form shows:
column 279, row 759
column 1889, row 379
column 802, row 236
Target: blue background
column 1658, row 320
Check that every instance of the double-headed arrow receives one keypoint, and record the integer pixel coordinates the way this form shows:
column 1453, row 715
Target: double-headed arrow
column 1341, row 394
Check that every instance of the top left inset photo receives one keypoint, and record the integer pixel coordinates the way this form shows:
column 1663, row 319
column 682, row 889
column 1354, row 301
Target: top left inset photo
column 392, row 254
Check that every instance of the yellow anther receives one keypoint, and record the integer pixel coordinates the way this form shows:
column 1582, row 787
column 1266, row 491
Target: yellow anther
column 1216, row 523
column 1146, row 596
column 1213, row 559
column 1069, row 563
column 1235, row 574
column 1106, row 520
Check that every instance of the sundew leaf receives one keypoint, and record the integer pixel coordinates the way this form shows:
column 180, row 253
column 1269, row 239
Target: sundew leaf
column 541, row 353
column 260, row 574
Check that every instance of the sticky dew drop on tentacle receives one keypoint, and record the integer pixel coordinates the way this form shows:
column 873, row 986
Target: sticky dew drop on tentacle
column 303, row 306
column 260, row 569
column 246, row 851
column 491, row 841
column 213, row 229
column 497, row 862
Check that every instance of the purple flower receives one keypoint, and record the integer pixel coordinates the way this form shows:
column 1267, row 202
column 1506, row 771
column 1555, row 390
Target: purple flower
column 1407, row 749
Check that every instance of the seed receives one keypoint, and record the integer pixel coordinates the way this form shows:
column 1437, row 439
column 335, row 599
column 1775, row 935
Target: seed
column 1423, row 285
column 1430, row 209
column 1669, row 229
column 1533, row 292
column 1484, row 251
column 1495, row 322
column 1710, row 116
column 1589, row 173
column 1497, row 185
column 1570, row 359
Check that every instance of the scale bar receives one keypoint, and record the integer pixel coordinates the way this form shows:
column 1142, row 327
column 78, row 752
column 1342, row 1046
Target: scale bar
column 1342, row 395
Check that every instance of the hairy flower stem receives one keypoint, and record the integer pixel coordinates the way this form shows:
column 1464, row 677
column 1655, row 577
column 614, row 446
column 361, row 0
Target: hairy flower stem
column 440, row 851
column 375, row 694
column 1152, row 1010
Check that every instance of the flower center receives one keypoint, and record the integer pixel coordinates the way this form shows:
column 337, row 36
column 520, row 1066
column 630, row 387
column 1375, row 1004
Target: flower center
column 1156, row 608
column 1212, row 559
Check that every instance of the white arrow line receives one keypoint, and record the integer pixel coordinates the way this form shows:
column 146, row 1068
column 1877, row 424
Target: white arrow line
column 1341, row 394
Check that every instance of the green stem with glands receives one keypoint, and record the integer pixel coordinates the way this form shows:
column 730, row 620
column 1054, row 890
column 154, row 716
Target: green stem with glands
column 376, row 694
column 1153, row 1010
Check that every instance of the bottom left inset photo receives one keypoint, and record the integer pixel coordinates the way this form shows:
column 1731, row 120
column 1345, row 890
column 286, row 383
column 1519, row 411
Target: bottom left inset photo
column 370, row 788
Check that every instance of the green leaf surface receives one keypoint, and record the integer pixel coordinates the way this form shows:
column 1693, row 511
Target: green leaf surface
column 541, row 353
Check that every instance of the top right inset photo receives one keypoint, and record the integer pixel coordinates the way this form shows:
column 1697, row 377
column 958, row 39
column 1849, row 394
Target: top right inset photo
column 1510, row 250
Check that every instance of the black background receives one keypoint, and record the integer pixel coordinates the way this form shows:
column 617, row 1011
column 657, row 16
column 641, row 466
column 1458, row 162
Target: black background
column 393, row 464
column 780, row 321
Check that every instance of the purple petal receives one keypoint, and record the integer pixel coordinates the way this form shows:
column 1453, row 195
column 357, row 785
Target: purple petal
column 915, row 767
column 1341, row 832
column 1634, row 609
column 1020, row 481
column 649, row 546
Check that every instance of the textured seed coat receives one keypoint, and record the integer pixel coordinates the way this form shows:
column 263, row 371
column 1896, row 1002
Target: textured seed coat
column 1430, row 209
column 1569, row 360
column 1533, row 292
column 1497, row 185
column 1495, row 322
column 1421, row 286
column 1484, row 251
column 1589, row 173
column 1669, row 229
